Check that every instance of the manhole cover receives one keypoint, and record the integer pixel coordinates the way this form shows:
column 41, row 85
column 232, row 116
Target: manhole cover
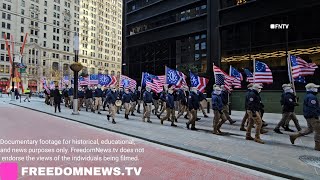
column 311, row 160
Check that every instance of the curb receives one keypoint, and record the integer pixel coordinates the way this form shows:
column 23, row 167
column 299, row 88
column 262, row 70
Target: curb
column 267, row 171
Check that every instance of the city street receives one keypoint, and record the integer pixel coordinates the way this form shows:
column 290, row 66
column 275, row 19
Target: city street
column 157, row 162
column 277, row 156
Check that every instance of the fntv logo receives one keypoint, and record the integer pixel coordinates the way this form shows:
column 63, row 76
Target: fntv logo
column 8, row 171
column 279, row 26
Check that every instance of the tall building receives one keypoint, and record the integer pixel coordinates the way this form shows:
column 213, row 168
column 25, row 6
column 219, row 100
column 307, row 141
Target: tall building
column 51, row 26
column 224, row 32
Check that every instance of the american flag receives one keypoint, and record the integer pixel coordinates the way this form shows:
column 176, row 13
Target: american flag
column 183, row 81
column 93, row 79
column 237, row 77
column 199, row 82
column 156, row 85
column 249, row 75
column 52, row 85
column 83, row 81
column 162, row 79
column 263, row 73
column 301, row 68
column 126, row 82
column 223, row 78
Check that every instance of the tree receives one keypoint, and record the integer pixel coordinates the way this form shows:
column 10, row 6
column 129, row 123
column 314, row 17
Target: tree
column 184, row 68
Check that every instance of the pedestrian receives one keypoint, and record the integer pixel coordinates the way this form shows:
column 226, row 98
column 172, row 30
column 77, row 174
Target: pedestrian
column 27, row 92
column 134, row 99
column 155, row 97
column 16, row 93
column 217, row 107
column 51, row 97
column 126, row 99
column 80, row 98
column 311, row 111
column 111, row 99
column 183, row 101
column 1, row 91
column 170, row 108
column 163, row 100
column 203, row 100
column 288, row 102
column 193, row 105
column 246, row 116
column 98, row 98
column 225, row 100
column 139, row 94
column 147, row 101
column 57, row 99
column 88, row 99
column 253, row 108
column 65, row 93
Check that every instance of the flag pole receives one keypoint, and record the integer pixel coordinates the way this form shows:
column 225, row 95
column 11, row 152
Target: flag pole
column 142, row 75
column 214, row 73
column 254, row 70
column 291, row 74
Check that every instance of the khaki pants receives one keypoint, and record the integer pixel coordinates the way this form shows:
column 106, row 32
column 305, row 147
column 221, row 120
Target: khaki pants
column 66, row 101
column 27, row 98
column 201, row 108
column 257, row 120
column 139, row 103
column 225, row 111
column 97, row 103
column 133, row 107
column 112, row 110
column 177, row 105
column 313, row 125
column 244, row 120
column 156, row 106
column 71, row 101
column 80, row 103
column 170, row 114
column 163, row 108
column 216, row 120
column 193, row 117
column 51, row 101
column 183, row 109
column 127, row 108
column 89, row 104
column 147, row 112
column 286, row 117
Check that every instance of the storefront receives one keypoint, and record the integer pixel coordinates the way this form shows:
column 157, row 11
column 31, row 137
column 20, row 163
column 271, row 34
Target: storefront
column 33, row 85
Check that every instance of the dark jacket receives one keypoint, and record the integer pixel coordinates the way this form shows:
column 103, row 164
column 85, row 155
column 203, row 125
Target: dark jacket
column 112, row 97
column 289, row 102
column 80, row 94
column 253, row 101
column 134, row 96
column 224, row 97
column 98, row 93
column 193, row 101
column 246, row 99
column 217, row 103
column 163, row 96
column 202, row 96
column 311, row 108
column 126, row 98
column 147, row 97
column 57, row 96
column 70, row 92
column 139, row 95
column 155, row 96
column 88, row 93
column 170, row 101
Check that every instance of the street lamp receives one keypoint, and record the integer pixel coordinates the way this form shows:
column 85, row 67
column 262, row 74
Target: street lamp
column 76, row 67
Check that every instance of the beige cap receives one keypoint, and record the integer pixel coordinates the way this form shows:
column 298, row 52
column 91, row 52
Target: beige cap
column 112, row 87
column 250, row 85
column 312, row 85
column 285, row 86
column 217, row 88
column 257, row 86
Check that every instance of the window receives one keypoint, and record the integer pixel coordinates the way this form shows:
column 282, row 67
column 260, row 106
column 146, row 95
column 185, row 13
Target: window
column 45, row 35
column 8, row 26
column 2, row 46
column 203, row 45
column 22, row 11
column 8, row 16
column 22, row 20
column 45, row 3
column 21, row 38
column 9, row 7
column 3, row 25
column 4, row 6
column 45, row 27
column 45, row 11
column 3, row 15
column 45, row 19
column 196, row 47
column 44, row 44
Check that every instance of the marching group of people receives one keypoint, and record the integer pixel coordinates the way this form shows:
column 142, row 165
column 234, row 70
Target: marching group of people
column 187, row 101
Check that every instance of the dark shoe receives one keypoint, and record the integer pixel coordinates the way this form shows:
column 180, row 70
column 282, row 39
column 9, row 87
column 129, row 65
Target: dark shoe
column 138, row 112
column 242, row 129
column 188, row 125
column 113, row 122
column 277, row 131
column 194, row 129
column 118, row 112
column 293, row 138
column 173, row 125
column 149, row 121
column 158, row 116
column 232, row 122
column 176, row 120
column 249, row 138
column 99, row 112
column 198, row 119
column 288, row 129
column 133, row 114
column 108, row 116
column 186, row 117
column 206, row 116
column 126, row 116
column 262, row 131
column 86, row 109
column 258, row 140
column 161, row 122
column 104, row 110
column 264, row 125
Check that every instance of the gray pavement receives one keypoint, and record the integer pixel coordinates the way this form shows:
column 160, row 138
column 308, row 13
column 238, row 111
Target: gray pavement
column 277, row 156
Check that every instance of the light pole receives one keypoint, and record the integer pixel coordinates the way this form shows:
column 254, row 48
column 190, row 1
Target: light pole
column 75, row 67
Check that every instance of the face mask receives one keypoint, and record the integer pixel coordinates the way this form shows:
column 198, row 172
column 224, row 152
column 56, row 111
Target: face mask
column 113, row 90
column 259, row 90
column 170, row 91
column 217, row 92
column 314, row 90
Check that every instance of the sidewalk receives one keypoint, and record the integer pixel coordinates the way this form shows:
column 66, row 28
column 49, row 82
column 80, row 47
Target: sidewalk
column 277, row 156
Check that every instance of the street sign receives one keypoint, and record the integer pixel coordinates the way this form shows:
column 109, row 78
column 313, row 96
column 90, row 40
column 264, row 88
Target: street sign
column 22, row 70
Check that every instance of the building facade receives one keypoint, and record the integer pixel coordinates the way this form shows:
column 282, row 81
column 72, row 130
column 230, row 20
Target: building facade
column 224, row 32
column 51, row 26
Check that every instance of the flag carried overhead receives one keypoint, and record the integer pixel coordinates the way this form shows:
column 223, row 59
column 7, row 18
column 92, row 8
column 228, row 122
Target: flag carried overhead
column 173, row 77
column 199, row 82
column 301, row 68
column 107, row 80
column 146, row 77
column 237, row 77
column 262, row 73
column 222, row 78
column 126, row 82
column 249, row 75
column 93, row 79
